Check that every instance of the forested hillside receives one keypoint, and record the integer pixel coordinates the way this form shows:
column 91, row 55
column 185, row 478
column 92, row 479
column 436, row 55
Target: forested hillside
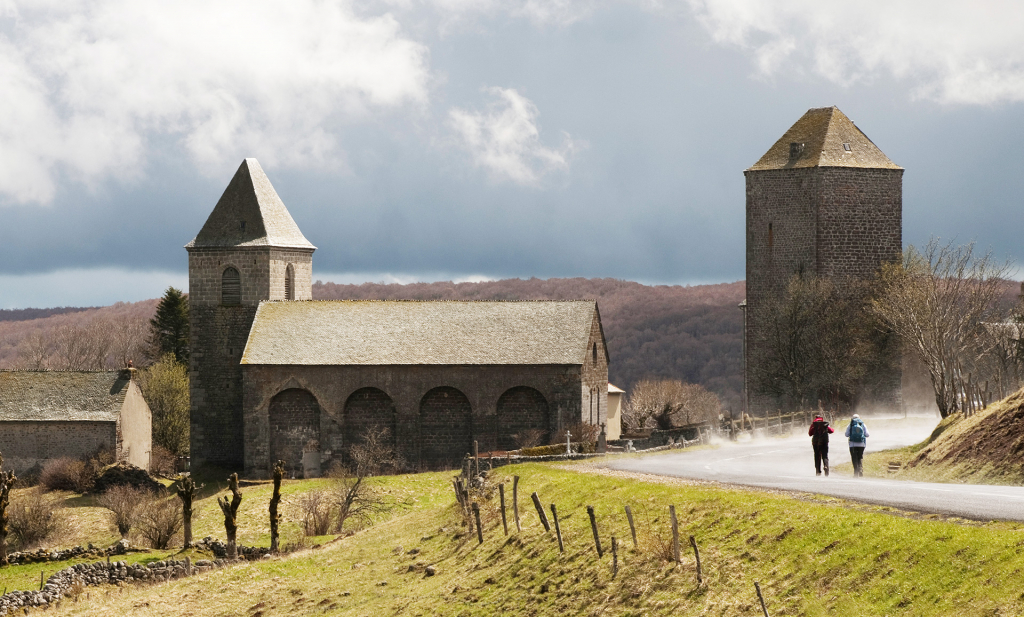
column 688, row 333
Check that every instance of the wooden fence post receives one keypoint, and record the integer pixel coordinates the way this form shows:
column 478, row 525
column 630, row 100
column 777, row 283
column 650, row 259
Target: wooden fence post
column 696, row 555
column 593, row 527
column 540, row 511
column 558, row 528
column 504, row 521
column 476, row 457
column 632, row 527
column 615, row 557
column 479, row 527
column 675, row 533
column 764, row 609
column 515, row 502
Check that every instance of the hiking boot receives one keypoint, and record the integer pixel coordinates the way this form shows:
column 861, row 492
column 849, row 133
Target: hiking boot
column 826, row 469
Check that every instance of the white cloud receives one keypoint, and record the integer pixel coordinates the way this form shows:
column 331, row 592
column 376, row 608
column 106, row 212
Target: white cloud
column 89, row 84
column 945, row 50
column 505, row 139
column 538, row 12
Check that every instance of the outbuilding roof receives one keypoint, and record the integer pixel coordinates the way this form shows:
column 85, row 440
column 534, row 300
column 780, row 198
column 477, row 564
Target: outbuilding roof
column 824, row 137
column 406, row 332
column 62, row 395
column 250, row 213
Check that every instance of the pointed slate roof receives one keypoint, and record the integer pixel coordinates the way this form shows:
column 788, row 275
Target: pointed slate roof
column 411, row 332
column 250, row 213
column 825, row 133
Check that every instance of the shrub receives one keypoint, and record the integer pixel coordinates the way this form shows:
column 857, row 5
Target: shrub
column 68, row 474
column 582, row 432
column 160, row 519
column 316, row 512
column 162, row 462
column 36, row 517
column 558, row 448
column 124, row 502
column 529, row 438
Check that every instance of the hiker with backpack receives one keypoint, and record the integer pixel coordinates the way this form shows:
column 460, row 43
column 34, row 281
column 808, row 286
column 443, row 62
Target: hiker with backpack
column 857, row 433
column 818, row 433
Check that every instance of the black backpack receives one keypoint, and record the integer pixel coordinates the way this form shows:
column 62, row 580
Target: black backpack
column 820, row 429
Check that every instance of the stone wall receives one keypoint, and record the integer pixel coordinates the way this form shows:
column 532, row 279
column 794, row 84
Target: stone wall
column 838, row 222
column 407, row 387
column 31, row 444
column 294, row 417
column 519, row 410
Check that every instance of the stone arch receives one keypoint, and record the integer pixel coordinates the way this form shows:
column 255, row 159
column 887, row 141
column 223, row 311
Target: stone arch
column 230, row 287
column 294, row 422
column 522, row 409
column 446, row 427
column 367, row 409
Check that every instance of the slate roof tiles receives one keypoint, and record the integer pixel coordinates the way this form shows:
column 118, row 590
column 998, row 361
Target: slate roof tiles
column 406, row 332
column 61, row 395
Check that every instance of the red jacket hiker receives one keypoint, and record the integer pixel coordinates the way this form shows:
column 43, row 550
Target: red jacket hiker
column 818, row 433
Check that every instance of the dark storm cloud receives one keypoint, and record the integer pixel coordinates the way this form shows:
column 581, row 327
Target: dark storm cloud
column 602, row 142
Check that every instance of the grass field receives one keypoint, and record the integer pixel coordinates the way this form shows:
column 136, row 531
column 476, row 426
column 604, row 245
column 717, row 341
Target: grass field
column 812, row 556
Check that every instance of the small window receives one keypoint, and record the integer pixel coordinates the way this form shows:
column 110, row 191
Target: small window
column 289, row 283
column 241, row 225
column 230, row 288
column 594, row 353
column 847, row 147
column 795, row 150
column 771, row 237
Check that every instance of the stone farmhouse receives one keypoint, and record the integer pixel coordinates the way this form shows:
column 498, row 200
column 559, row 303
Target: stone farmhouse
column 825, row 201
column 275, row 374
column 45, row 415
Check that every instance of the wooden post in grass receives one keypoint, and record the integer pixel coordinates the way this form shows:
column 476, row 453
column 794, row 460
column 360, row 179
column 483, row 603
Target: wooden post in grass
column 675, row 533
column 41, row 580
column 476, row 457
column 615, row 556
column 764, row 609
column 696, row 556
column 479, row 527
column 504, row 521
column 632, row 527
column 515, row 502
column 558, row 528
column 593, row 527
column 540, row 511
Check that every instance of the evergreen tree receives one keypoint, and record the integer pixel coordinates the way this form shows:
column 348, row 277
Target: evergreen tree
column 169, row 328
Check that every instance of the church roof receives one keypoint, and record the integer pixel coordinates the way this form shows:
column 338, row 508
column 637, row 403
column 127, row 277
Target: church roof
column 250, row 213
column 62, row 395
column 375, row 332
column 825, row 137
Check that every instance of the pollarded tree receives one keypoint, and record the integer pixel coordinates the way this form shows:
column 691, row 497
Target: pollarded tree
column 7, row 481
column 169, row 328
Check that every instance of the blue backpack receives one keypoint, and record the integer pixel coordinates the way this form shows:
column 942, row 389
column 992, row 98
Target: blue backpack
column 857, row 431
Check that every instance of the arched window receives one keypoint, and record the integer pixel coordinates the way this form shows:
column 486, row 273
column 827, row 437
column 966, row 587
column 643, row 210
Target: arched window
column 594, row 354
column 289, row 283
column 230, row 288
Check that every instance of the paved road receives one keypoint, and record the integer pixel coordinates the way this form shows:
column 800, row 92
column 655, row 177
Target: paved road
column 788, row 464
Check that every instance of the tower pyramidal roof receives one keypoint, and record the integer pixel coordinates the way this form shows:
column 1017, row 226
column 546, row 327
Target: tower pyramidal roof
column 824, row 137
column 250, row 213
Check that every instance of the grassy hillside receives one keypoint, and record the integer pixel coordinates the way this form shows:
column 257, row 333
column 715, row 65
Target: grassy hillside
column 812, row 556
column 985, row 448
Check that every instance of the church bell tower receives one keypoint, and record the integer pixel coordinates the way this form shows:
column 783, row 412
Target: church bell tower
column 249, row 250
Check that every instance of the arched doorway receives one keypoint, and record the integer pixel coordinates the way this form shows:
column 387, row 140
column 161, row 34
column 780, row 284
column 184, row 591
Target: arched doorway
column 522, row 410
column 368, row 410
column 446, row 427
column 294, row 424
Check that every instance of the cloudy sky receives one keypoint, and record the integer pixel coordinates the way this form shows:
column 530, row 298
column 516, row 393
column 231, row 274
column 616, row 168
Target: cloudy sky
column 469, row 139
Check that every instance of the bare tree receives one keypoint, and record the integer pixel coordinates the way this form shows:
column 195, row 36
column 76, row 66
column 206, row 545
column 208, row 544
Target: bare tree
column 667, row 403
column 125, row 503
column 34, row 351
column 937, row 301
column 128, row 340
column 160, row 519
column 372, row 456
column 316, row 512
column 7, row 481
column 230, row 510
column 187, row 492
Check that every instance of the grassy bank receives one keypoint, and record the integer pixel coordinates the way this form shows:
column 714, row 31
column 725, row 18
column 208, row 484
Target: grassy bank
column 811, row 556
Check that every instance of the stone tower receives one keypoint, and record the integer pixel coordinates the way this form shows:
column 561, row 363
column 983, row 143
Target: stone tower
column 824, row 200
column 249, row 250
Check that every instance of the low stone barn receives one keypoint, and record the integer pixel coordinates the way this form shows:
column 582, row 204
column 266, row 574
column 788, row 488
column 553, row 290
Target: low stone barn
column 46, row 415
column 436, row 375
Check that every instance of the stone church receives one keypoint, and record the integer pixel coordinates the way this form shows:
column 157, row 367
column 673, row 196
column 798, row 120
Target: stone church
column 274, row 373
column 824, row 200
